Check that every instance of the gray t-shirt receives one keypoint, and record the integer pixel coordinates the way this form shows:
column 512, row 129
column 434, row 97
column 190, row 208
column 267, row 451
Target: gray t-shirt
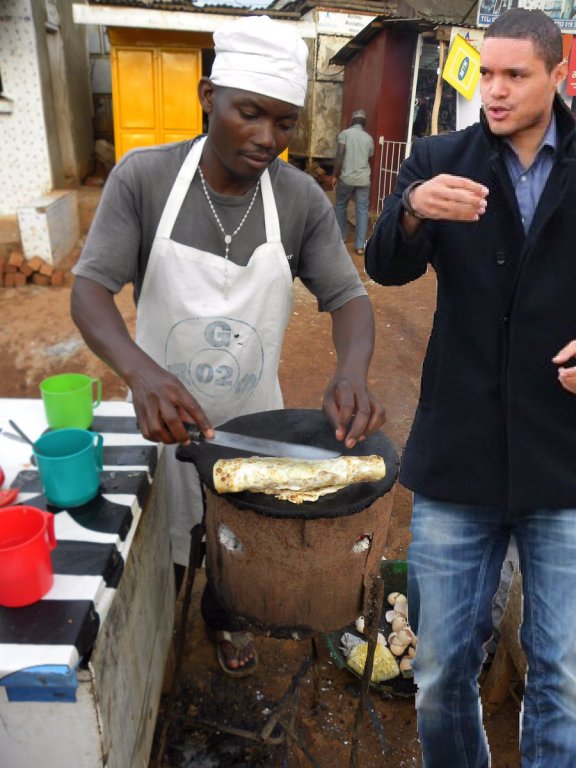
column 118, row 245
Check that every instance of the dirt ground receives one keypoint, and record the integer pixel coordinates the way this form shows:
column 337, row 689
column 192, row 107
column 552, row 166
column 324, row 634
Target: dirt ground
column 38, row 339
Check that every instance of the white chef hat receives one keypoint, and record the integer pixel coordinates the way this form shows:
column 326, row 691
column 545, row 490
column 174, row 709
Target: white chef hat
column 257, row 54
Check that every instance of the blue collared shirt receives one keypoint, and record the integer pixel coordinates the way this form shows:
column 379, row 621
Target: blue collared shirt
column 529, row 183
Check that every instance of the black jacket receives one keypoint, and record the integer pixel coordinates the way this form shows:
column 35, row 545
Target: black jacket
column 493, row 425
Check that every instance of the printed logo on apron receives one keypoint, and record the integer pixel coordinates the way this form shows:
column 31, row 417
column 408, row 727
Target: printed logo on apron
column 226, row 357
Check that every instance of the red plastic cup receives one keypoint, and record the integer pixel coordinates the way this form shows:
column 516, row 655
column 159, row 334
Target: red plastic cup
column 26, row 540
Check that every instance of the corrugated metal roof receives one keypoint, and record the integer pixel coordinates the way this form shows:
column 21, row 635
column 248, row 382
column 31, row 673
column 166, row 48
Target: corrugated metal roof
column 439, row 11
column 457, row 12
column 250, row 4
column 185, row 5
column 418, row 21
column 372, row 30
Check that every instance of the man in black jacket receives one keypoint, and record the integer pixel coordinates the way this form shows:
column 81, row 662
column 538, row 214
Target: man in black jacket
column 492, row 451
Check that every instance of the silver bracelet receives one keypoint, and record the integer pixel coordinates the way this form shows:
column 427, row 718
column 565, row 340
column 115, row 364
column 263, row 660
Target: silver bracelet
column 407, row 205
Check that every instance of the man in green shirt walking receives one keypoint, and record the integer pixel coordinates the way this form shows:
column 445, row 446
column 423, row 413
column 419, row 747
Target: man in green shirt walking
column 351, row 176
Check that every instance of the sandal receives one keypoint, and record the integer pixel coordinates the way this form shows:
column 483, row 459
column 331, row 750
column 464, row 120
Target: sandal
column 360, row 251
column 238, row 640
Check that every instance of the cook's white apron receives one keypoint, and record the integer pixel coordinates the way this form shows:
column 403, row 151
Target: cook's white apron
column 218, row 327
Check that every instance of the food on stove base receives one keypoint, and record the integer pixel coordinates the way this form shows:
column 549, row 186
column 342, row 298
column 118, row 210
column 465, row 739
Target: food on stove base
column 385, row 665
column 295, row 480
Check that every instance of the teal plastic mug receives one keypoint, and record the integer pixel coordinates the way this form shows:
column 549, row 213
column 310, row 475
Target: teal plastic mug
column 69, row 400
column 69, row 462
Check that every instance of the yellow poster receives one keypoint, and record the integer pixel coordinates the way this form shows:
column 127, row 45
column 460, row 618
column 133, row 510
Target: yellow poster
column 462, row 68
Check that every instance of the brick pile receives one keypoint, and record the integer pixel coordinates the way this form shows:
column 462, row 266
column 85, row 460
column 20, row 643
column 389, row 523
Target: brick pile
column 17, row 271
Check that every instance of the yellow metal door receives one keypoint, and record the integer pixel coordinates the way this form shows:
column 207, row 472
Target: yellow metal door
column 181, row 114
column 154, row 95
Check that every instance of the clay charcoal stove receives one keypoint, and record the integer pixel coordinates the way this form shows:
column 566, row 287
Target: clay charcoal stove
column 294, row 570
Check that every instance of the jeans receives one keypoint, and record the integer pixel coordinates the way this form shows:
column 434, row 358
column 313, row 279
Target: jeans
column 361, row 202
column 454, row 563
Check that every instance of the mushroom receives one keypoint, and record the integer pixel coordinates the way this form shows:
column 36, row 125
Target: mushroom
column 396, row 646
column 406, row 667
column 406, row 636
column 392, row 597
column 401, row 606
column 398, row 622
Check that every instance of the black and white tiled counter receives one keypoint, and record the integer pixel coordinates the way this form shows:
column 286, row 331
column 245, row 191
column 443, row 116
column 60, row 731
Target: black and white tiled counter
column 72, row 636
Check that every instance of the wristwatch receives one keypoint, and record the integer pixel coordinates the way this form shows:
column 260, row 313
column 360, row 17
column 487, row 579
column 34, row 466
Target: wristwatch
column 407, row 205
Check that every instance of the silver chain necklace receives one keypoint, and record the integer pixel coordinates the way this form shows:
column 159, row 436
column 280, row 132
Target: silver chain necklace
column 227, row 238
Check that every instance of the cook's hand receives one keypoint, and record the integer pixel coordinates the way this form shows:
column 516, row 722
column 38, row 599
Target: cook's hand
column 567, row 376
column 163, row 405
column 353, row 410
column 454, row 198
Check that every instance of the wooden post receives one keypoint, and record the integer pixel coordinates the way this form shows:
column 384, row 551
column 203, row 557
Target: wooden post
column 438, row 94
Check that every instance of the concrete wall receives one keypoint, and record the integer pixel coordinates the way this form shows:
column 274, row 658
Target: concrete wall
column 79, row 90
column 45, row 112
column 316, row 136
column 46, row 62
column 327, row 122
column 26, row 170
column 67, row 98
column 101, row 82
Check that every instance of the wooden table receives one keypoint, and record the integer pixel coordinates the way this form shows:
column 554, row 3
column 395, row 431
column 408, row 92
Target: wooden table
column 81, row 671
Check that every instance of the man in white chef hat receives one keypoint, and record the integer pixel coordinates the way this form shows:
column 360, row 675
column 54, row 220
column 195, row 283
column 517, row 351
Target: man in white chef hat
column 212, row 233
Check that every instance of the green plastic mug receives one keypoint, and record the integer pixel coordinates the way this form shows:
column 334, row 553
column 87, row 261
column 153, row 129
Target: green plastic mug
column 69, row 400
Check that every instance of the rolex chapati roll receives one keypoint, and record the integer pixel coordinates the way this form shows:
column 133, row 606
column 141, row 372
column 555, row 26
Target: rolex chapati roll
column 295, row 480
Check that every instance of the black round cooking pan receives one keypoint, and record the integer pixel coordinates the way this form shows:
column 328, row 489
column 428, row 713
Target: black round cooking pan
column 308, row 427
